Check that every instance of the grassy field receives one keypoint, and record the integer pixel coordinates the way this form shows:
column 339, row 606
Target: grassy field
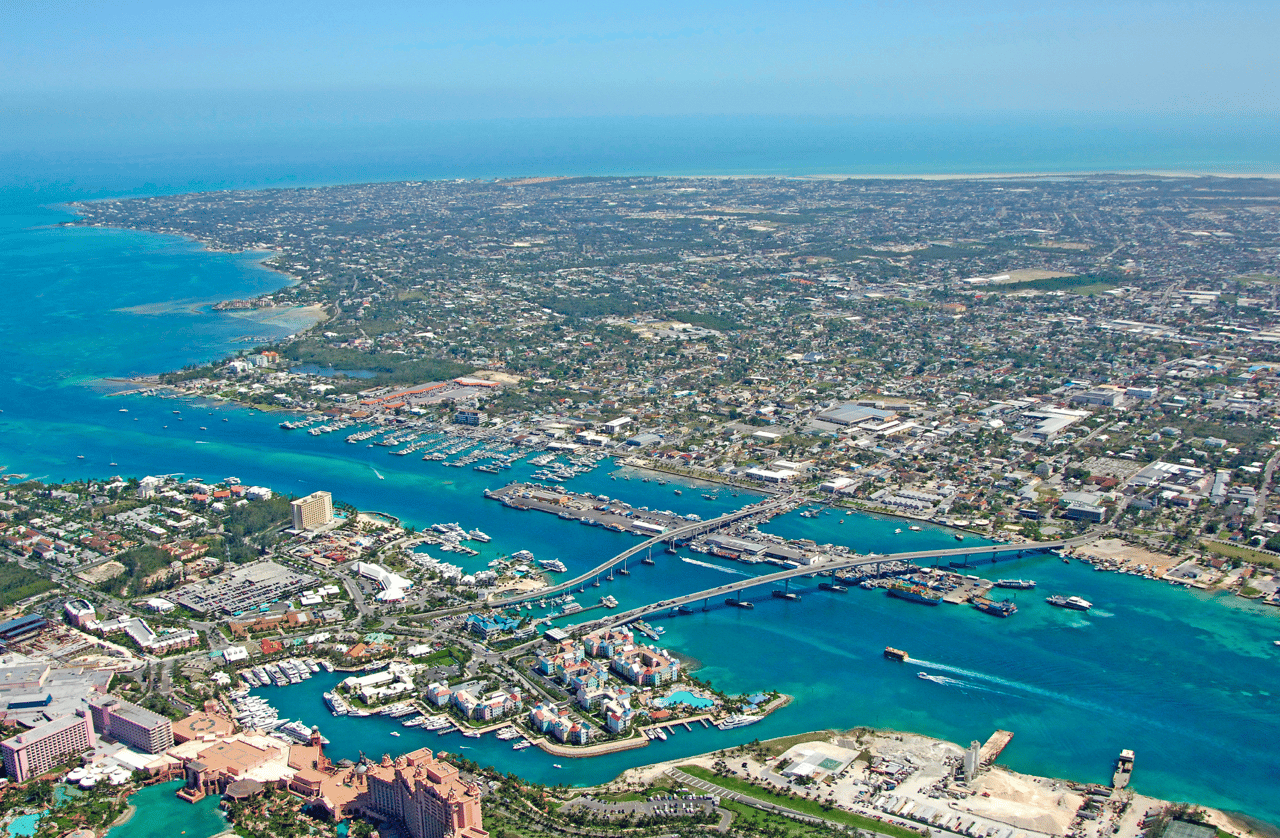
column 767, row 823
column 1237, row 551
column 778, row 747
column 807, row 807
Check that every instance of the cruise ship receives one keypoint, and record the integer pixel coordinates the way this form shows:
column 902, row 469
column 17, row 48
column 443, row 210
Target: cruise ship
column 914, row 593
column 1073, row 602
column 1017, row 584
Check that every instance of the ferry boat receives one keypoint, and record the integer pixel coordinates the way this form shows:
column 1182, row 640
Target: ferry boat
column 1075, row 603
column 894, row 654
column 1003, row 608
column 914, row 593
column 738, row 720
column 1124, row 769
column 1016, row 584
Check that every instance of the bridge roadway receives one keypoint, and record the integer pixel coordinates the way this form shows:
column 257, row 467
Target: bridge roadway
column 806, row 570
column 694, row 528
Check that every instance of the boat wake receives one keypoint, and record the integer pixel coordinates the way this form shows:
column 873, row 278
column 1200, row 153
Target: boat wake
column 731, row 570
column 959, row 684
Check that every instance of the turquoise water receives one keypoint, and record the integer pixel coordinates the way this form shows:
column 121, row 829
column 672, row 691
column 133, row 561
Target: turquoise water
column 1188, row 680
column 684, row 697
column 24, row 826
column 160, row 814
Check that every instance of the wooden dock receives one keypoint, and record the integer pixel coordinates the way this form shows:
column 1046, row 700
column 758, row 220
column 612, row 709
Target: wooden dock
column 994, row 745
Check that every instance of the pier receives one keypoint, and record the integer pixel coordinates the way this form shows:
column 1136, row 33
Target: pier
column 994, row 746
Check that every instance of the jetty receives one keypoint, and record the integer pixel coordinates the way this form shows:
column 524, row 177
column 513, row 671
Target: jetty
column 994, row 746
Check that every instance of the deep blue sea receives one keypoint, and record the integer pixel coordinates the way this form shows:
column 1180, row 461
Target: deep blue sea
column 1187, row 680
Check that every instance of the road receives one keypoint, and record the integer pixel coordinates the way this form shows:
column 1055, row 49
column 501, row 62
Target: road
column 725, row 794
column 695, row 528
column 842, row 564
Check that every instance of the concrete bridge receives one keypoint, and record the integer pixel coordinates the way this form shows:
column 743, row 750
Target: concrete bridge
column 767, row 507
column 851, row 563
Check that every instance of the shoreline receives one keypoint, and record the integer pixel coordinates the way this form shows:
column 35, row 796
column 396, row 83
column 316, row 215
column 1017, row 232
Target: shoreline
column 1236, row 824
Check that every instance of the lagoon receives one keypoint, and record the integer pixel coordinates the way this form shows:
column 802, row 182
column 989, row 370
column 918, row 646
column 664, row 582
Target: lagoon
column 160, row 814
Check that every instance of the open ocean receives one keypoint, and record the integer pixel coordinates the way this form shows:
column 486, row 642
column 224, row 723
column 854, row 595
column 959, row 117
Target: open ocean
column 1188, row 680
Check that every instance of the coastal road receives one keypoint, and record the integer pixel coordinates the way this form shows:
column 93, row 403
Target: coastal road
column 725, row 794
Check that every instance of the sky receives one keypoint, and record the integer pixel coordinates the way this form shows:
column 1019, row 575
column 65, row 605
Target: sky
column 99, row 72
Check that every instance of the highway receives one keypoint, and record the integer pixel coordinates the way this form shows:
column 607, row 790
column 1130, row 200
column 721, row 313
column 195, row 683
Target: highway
column 692, row 529
column 970, row 553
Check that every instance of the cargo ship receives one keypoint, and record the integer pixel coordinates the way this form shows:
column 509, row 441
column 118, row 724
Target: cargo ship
column 914, row 593
column 1017, row 584
column 894, row 654
column 1073, row 602
column 1004, row 608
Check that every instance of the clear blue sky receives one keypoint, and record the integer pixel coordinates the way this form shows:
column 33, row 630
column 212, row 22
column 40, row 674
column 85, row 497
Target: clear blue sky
column 97, row 70
column 568, row 58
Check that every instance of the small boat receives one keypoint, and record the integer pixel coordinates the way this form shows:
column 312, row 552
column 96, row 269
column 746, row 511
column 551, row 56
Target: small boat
column 556, row 765
column 924, row 675
column 395, row 733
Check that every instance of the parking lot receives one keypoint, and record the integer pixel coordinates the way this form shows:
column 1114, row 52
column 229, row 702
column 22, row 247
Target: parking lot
column 661, row 806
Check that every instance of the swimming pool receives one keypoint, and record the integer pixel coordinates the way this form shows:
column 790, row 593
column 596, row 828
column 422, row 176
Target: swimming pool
column 683, row 697
column 24, row 826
